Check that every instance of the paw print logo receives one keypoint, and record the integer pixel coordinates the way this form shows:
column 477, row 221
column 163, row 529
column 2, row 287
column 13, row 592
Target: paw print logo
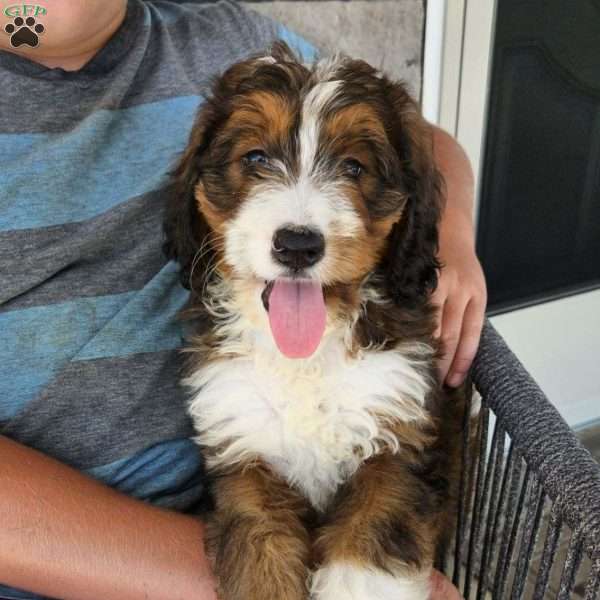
column 24, row 32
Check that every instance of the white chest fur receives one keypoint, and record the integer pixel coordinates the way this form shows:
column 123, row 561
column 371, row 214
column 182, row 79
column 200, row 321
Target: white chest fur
column 314, row 421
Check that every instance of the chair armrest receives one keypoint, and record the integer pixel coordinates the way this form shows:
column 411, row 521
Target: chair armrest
column 533, row 475
column 565, row 469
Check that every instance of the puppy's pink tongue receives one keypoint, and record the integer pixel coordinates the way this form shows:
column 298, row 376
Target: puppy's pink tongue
column 297, row 316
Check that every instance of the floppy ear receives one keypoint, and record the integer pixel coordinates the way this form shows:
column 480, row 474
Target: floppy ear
column 185, row 229
column 187, row 233
column 411, row 263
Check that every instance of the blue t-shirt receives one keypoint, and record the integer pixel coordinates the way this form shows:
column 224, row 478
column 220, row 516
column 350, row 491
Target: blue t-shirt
column 88, row 331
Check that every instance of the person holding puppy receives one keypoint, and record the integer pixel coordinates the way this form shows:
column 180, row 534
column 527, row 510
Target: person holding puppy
column 98, row 472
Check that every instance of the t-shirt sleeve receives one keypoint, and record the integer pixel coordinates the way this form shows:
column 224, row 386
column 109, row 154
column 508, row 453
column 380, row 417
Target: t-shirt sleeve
column 246, row 28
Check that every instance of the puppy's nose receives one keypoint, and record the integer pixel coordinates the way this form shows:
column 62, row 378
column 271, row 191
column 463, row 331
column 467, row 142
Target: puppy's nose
column 298, row 248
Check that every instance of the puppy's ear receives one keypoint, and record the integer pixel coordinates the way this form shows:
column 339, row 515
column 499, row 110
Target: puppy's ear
column 411, row 262
column 185, row 229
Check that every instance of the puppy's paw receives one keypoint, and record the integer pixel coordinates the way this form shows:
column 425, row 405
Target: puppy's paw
column 350, row 582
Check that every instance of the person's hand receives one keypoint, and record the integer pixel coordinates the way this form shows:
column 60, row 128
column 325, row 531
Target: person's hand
column 461, row 294
column 461, row 297
column 442, row 589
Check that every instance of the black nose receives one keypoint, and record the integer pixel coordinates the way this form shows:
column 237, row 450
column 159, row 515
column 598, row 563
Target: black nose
column 298, row 248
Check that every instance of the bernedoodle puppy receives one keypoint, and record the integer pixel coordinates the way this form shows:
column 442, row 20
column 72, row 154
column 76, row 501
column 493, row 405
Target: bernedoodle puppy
column 305, row 222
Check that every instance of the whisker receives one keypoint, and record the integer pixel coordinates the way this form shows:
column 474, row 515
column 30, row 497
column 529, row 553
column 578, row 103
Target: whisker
column 211, row 242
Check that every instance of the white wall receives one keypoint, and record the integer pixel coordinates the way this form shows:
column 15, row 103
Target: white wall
column 559, row 343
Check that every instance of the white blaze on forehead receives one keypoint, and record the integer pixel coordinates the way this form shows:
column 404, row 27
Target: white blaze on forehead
column 303, row 202
column 312, row 108
column 327, row 67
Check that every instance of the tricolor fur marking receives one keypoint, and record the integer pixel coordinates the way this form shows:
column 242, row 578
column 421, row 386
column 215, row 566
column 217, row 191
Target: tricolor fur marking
column 313, row 421
column 305, row 222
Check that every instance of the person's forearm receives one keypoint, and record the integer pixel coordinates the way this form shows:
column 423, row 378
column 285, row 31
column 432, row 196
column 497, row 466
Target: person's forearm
column 65, row 535
column 456, row 170
column 461, row 292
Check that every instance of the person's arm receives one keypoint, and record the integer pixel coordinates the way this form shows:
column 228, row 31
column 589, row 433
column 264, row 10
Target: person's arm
column 461, row 293
column 65, row 535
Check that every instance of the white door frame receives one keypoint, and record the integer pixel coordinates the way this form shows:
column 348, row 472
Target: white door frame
column 456, row 73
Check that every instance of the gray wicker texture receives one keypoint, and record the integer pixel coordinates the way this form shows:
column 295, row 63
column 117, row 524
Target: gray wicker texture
column 533, row 484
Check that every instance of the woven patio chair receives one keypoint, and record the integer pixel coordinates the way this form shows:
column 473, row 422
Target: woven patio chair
column 529, row 513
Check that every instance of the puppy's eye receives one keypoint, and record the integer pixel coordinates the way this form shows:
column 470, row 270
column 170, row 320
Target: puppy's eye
column 352, row 168
column 256, row 157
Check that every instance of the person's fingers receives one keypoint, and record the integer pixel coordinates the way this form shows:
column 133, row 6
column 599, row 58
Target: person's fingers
column 442, row 589
column 469, row 342
column 452, row 320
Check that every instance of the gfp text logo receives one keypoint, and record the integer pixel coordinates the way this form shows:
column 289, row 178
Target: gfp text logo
column 24, row 10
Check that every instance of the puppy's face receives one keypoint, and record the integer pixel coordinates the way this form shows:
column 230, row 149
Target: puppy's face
column 300, row 175
column 298, row 183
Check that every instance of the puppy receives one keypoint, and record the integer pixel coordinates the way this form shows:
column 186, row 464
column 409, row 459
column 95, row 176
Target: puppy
column 305, row 223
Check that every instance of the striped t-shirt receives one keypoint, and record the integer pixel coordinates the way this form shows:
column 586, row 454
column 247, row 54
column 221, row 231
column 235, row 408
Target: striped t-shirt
column 88, row 335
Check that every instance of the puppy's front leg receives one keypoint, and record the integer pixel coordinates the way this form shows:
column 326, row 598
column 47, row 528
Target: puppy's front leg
column 256, row 539
column 379, row 540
